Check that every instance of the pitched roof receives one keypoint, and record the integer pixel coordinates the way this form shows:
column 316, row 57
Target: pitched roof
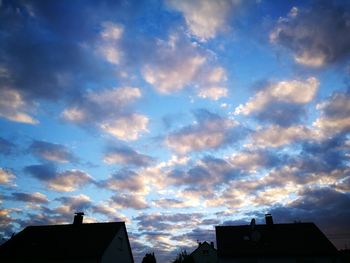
column 204, row 244
column 60, row 242
column 299, row 239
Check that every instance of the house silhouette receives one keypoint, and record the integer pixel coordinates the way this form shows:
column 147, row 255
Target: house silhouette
column 205, row 253
column 74, row 243
column 296, row 242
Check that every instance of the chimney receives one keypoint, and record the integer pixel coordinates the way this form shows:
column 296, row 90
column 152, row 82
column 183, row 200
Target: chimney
column 212, row 244
column 268, row 219
column 78, row 218
column 252, row 223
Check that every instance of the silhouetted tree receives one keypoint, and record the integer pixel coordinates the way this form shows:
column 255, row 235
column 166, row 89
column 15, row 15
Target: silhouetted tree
column 149, row 258
column 183, row 257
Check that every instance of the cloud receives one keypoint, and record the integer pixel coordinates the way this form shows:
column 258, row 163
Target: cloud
column 51, row 152
column 178, row 64
column 66, row 181
column 335, row 114
column 6, row 177
column 162, row 221
column 175, row 67
column 126, row 128
column 109, row 47
column 276, row 136
column 72, row 204
column 109, row 110
column 129, row 201
column 35, row 67
column 6, row 147
column 127, row 156
column 253, row 160
column 209, row 132
column 213, row 92
column 169, row 203
column 204, row 18
column 328, row 44
column 14, row 107
column 35, row 198
column 125, row 181
column 282, row 102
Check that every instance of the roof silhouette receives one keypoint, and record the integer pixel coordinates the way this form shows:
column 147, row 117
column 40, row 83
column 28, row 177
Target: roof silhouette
column 60, row 242
column 297, row 239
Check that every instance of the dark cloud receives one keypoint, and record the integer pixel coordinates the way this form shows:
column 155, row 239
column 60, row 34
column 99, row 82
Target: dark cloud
column 35, row 198
column 44, row 172
column 282, row 113
column 6, row 147
column 323, row 156
column 125, row 155
column 328, row 44
column 51, row 152
column 41, row 48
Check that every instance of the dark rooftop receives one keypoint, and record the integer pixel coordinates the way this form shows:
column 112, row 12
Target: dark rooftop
column 297, row 239
column 60, row 242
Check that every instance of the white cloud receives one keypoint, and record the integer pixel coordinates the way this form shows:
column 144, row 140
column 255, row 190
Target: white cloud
column 277, row 136
column 6, row 176
column 293, row 91
column 174, row 73
column 204, row 18
column 213, row 92
column 208, row 134
column 116, row 96
column 109, row 47
column 335, row 114
column 109, row 110
column 126, row 128
column 13, row 107
column 69, row 181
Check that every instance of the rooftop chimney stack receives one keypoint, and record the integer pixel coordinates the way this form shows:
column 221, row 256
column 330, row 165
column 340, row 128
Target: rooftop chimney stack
column 78, row 218
column 212, row 244
column 268, row 219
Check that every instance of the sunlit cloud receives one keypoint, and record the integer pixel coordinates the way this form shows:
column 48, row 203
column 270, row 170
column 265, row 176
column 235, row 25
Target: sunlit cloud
column 126, row 128
column 204, row 18
column 109, row 46
column 14, row 107
column 110, row 111
column 281, row 102
column 277, row 136
column 335, row 114
column 125, row 181
column 66, row 181
column 209, row 132
column 6, row 176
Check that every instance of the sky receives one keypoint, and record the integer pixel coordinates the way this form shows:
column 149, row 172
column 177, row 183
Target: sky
column 175, row 116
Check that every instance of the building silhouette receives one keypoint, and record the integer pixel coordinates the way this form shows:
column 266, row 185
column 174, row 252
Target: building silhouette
column 296, row 242
column 74, row 243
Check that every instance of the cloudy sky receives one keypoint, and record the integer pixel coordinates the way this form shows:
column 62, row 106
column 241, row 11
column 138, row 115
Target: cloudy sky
column 175, row 116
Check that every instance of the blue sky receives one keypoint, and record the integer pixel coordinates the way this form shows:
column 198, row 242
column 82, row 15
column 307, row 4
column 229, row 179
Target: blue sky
column 175, row 116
